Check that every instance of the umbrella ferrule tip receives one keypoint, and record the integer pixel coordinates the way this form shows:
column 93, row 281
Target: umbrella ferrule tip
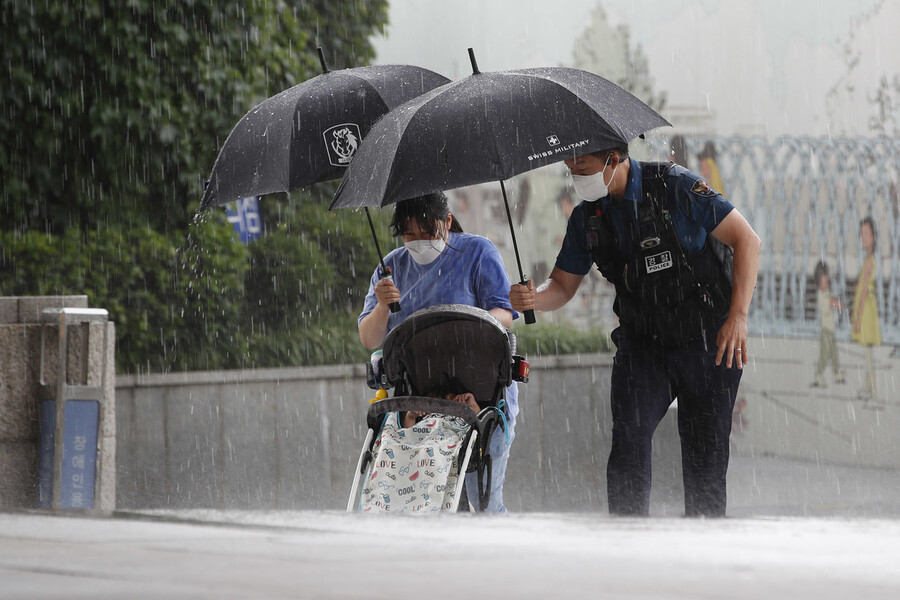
column 475, row 70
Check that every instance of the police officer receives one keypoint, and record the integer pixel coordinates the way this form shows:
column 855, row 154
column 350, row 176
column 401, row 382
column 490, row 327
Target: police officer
column 684, row 263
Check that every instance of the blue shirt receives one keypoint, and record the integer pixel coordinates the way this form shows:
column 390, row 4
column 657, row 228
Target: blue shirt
column 469, row 271
column 696, row 210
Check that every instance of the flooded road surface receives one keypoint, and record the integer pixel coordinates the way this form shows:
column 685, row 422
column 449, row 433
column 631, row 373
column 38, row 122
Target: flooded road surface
column 227, row 554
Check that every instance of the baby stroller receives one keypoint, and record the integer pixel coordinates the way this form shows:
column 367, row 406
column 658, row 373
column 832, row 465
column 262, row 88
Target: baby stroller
column 421, row 468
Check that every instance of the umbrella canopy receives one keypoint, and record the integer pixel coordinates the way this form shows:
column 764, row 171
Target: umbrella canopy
column 489, row 127
column 310, row 132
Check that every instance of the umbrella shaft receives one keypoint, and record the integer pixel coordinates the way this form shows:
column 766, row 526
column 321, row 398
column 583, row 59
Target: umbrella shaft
column 375, row 238
column 395, row 306
column 529, row 314
column 512, row 231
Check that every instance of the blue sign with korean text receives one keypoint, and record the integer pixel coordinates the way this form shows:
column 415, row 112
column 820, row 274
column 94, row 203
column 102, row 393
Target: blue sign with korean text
column 244, row 216
column 79, row 467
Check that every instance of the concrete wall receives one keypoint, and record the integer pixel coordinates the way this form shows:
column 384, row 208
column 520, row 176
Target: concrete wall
column 21, row 392
column 290, row 438
column 279, row 438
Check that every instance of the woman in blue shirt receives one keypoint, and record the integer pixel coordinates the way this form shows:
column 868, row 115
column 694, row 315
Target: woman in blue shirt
column 439, row 264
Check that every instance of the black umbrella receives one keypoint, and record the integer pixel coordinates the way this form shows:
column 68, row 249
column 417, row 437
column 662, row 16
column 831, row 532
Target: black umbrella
column 490, row 127
column 309, row 133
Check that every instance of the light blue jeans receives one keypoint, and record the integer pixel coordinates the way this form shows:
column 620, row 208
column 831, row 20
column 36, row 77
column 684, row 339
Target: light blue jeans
column 499, row 450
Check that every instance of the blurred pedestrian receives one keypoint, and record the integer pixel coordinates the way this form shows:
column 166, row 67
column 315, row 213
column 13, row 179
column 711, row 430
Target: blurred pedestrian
column 709, row 168
column 866, row 330
column 827, row 304
column 678, row 151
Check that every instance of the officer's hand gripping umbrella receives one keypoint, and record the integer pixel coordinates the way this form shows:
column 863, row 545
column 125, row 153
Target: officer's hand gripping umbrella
column 490, row 127
column 310, row 132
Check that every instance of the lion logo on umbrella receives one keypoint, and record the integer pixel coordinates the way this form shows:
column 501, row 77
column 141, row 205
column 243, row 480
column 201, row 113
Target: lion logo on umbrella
column 341, row 141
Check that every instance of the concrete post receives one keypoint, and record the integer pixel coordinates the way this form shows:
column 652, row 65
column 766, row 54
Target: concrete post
column 21, row 393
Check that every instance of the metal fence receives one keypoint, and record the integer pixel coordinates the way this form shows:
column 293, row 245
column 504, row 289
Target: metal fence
column 806, row 197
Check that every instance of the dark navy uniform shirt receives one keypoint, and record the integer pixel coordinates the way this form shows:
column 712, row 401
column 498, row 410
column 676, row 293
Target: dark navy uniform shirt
column 696, row 210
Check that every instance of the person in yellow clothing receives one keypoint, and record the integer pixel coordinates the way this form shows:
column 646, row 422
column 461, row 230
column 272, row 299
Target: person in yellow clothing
column 865, row 328
column 709, row 168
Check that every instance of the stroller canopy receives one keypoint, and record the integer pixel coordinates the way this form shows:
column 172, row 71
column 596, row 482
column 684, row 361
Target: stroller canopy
column 447, row 345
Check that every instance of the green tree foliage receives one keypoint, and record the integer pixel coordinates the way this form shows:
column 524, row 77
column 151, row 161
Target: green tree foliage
column 308, row 279
column 112, row 114
column 142, row 281
column 120, row 107
column 548, row 339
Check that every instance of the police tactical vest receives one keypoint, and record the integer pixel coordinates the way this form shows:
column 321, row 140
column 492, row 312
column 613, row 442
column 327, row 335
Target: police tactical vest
column 661, row 291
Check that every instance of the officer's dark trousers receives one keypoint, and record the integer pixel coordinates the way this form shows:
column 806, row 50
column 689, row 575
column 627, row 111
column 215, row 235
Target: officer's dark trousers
column 646, row 378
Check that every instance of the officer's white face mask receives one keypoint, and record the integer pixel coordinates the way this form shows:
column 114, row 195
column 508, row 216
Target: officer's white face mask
column 425, row 251
column 593, row 187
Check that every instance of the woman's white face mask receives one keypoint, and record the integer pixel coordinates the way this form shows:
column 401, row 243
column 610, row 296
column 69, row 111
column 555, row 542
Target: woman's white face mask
column 593, row 187
column 425, row 251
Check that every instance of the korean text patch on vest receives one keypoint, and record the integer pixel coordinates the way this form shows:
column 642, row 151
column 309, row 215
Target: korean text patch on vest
column 658, row 262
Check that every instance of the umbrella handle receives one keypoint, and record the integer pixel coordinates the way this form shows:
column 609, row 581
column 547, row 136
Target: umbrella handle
column 386, row 274
column 385, row 271
column 529, row 314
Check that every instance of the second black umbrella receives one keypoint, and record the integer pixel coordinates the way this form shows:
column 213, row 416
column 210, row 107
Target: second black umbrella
column 490, row 127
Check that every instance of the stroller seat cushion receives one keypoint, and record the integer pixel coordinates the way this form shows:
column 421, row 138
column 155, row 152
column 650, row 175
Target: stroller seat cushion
column 415, row 469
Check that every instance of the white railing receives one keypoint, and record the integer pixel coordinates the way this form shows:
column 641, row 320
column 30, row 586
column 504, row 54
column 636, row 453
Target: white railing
column 806, row 197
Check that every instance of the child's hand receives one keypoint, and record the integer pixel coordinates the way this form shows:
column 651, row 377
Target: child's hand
column 468, row 399
column 412, row 417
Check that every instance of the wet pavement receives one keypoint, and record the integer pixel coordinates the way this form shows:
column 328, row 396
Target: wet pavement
column 204, row 554
column 796, row 530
